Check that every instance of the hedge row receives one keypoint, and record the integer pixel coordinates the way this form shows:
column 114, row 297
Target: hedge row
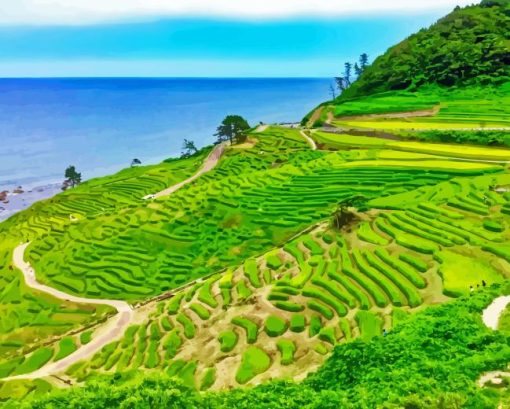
column 375, row 275
column 289, row 306
column 334, row 289
column 318, row 293
column 287, row 349
column 249, row 326
column 275, row 326
column 412, row 295
column 251, row 271
column 404, row 269
column 353, row 289
column 228, row 340
column 321, row 309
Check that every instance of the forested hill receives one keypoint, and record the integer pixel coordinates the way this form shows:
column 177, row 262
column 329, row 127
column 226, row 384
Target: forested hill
column 470, row 45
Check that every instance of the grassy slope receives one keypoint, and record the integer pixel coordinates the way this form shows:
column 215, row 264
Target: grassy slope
column 427, row 361
column 29, row 318
column 321, row 273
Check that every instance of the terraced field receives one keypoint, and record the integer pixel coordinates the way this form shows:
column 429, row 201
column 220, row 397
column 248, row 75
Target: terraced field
column 279, row 314
column 250, row 280
column 468, row 108
column 32, row 321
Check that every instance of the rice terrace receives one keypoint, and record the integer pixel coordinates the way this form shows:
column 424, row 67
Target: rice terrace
column 359, row 259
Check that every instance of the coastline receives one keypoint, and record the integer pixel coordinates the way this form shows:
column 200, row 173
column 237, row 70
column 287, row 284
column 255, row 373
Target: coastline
column 16, row 202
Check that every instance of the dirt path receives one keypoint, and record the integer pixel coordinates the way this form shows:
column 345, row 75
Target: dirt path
column 113, row 328
column 261, row 128
column 492, row 313
column 393, row 115
column 490, row 317
column 210, row 162
column 316, row 115
column 310, row 141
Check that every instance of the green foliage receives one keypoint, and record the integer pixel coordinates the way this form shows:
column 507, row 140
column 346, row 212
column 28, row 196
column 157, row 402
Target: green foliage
column 431, row 360
column 287, row 349
column 208, row 379
column 232, row 128
column 289, row 306
column 66, row 346
column 187, row 324
column 254, row 362
column 228, row 340
column 297, row 323
column 468, row 45
column 275, row 326
column 34, row 361
column 86, row 337
column 249, row 326
column 200, row 310
column 370, row 324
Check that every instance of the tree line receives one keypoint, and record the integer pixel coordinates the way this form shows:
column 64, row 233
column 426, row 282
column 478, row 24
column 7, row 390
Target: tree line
column 232, row 129
column 350, row 74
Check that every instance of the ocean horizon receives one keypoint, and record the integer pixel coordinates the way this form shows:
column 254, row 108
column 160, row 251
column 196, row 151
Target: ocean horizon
column 100, row 124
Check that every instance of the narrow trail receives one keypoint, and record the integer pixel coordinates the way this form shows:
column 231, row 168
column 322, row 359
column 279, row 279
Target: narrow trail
column 114, row 327
column 310, row 141
column 393, row 115
column 210, row 162
column 261, row 128
column 492, row 313
column 490, row 317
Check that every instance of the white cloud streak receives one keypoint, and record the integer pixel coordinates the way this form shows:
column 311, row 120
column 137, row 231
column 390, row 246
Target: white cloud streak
column 79, row 12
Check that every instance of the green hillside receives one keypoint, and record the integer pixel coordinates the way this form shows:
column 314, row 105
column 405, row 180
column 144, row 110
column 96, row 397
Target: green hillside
column 469, row 46
column 348, row 266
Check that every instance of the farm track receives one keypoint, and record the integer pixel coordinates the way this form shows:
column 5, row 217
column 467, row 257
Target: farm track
column 456, row 158
column 490, row 318
column 210, row 162
column 310, row 141
column 113, row 328
column 394, row 115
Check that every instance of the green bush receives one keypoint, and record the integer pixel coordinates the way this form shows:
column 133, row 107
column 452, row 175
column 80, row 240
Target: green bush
column 493, row 225
column 321, row 309
column 208, row 379
column 187, row 324
column 172, row 343
column 200, row 310
column 370, row 324
column 34, row 361
column 86, row 337
column 228, row 340
column 251, row 271
column 254, row 362
column 273, row 261
column 328, row 335
column 275, row 326
column 249, row 326
column 66, row 346
column 418, row 264
column 289, row 306
column 287, row 349
column 297, row 323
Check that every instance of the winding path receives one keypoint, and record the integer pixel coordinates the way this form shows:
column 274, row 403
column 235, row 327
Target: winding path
column 490, row 317
column 113, row 328
column 492, row 313
column 308, row 139
column 210, row 162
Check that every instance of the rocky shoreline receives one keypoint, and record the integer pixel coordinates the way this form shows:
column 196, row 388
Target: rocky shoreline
column 17, row 199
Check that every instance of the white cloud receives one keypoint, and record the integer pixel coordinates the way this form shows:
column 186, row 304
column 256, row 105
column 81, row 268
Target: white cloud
column 71, row 12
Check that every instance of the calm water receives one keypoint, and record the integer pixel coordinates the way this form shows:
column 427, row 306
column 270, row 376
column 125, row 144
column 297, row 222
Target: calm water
column 99, row 125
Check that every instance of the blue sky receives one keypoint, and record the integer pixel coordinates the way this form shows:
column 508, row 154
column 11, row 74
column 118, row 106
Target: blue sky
column 190, row 44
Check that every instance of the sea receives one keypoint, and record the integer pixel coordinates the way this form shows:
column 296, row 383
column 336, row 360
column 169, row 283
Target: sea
column 99, row 125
